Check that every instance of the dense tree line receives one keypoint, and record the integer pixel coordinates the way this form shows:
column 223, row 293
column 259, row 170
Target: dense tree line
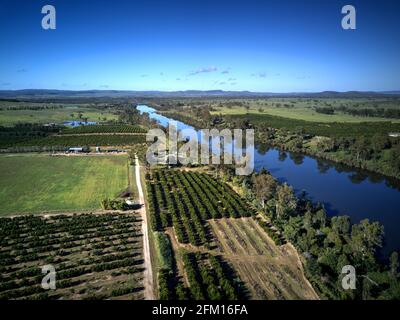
column 377, row 112
column 371, row 112
column 33, row 107
column 28, row 130
column 325, row 110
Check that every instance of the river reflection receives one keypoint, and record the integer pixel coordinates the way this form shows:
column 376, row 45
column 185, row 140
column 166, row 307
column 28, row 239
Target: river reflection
column 339, row 188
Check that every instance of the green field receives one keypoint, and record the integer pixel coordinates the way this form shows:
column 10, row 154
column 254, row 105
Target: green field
column 37, row 183
column 65, row 113
column 332, row 129
column 298, row 108
column 300, row 113
column 304, row 109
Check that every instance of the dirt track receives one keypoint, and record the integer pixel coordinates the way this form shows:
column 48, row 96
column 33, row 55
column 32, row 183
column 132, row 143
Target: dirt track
column 148, row 273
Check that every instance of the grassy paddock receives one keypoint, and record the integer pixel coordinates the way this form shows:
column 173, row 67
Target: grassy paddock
column 304, row 108
column 65, row 113
column 299, row 113
column 343, row 129
column 37, row 183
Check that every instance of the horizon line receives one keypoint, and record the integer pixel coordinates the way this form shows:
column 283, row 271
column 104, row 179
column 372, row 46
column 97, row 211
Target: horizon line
column 200, row 90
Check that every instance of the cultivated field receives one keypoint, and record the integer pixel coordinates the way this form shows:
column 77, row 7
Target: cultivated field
column 105, row 129
column 267, row 270
column 94, row 256
column 35, row 183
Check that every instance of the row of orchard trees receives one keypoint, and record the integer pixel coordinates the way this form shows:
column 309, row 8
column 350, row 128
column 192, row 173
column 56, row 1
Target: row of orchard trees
column 90, row 243
column 208, row 278
column 185, row 200
column 116, row 128
column 169, row 288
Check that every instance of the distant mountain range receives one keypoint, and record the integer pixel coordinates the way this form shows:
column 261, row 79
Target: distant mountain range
column 49, row 93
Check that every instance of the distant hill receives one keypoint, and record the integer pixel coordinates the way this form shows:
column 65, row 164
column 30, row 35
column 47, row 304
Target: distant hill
column 391, row 92
column 49, row 94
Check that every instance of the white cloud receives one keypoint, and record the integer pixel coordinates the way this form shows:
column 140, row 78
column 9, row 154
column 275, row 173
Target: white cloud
column 259, row 74
column 203, row 70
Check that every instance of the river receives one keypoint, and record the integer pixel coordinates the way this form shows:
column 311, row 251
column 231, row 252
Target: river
column 342, row 190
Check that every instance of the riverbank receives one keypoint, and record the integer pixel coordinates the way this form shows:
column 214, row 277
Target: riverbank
column 309, row 146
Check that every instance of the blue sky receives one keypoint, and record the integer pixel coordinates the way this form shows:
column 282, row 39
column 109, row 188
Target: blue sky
column 268, row 46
